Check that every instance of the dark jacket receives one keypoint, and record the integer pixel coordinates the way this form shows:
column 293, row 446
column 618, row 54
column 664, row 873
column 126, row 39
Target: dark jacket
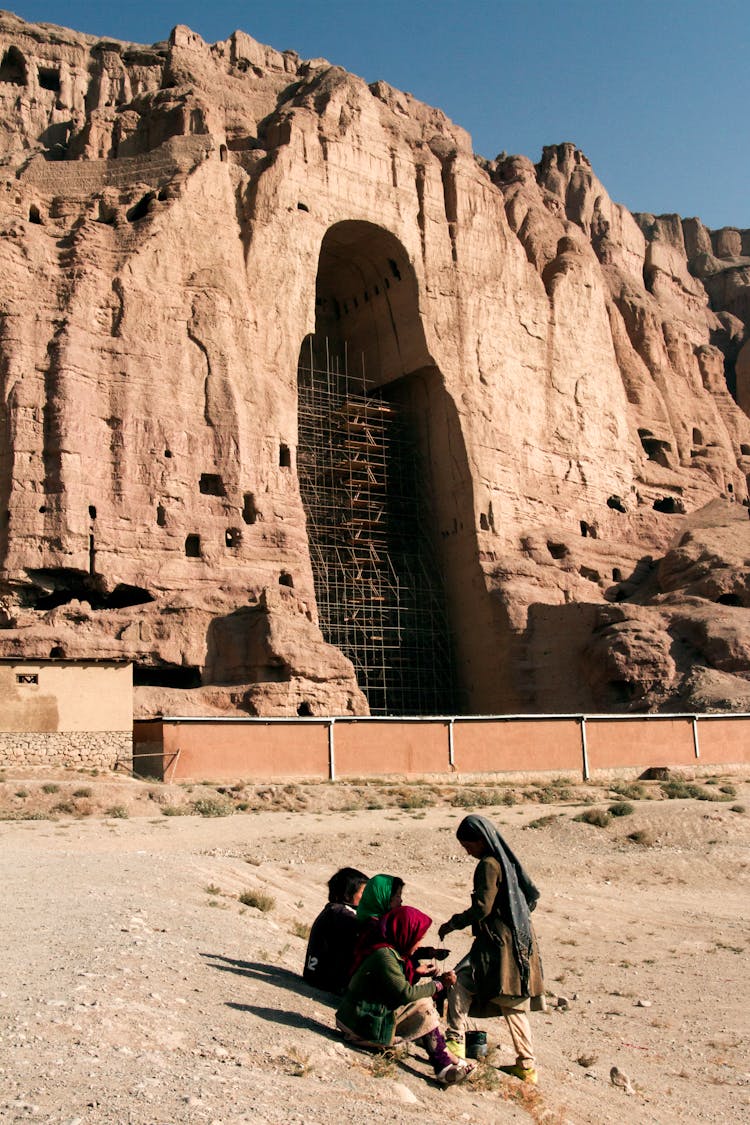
column 493, row 963
column 331, row 946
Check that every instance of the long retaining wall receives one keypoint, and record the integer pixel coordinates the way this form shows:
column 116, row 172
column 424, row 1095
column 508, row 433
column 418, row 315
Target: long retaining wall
column 177, row 749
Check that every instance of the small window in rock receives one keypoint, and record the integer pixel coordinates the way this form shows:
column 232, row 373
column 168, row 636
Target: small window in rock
column 617, row 574
column 729, row 599
column 697, row 436
column 233, row 537
column 557, row 550
column 484, row 523
column 615, row 502
column 211, row 484
column 167, row 453
column 161, row 516
column 249, row 511
column 27, row 678
column 302, row 207
column 140, row 209
column 49, row 78
column 304, row 710
column 285, row 579
column 730, row 488
column 666, row 504
column 43, row 508
column 588, row 531
column 193, row 546
column 13, row 67
column 34, row 214
column 285, row 457
column 57, row 652
column 223, row 153
column 745, row 450
column 655, row 448
column 92, row 512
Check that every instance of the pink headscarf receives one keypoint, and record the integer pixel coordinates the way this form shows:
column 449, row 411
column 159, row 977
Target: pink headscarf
column 399, row 929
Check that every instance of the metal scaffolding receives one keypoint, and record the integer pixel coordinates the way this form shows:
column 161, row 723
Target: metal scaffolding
column 379, row 591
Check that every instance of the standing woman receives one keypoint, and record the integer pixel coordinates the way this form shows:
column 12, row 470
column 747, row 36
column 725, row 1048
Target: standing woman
column 502, row 974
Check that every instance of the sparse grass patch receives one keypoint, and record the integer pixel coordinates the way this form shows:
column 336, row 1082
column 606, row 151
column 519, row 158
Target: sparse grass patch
column 67, row 808
column 50, row 787
column 212, row 806
column 176, row 810
column 83, row 792
column 117, row 812
column 212, row 889
column 411, row 799
column 629, row 790
column 543, row 821
column 463, row 799
column 642, row 837
column 22, row 793
column 384, row 1065
column 259, row 899
column 728, row 789
column 300, row 930
column 301, row 1064
column 682, row 790
column 600, row 818
column 737, row 808
column 621, row 808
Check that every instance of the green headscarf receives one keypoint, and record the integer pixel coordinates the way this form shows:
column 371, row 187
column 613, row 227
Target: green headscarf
column 376, row 897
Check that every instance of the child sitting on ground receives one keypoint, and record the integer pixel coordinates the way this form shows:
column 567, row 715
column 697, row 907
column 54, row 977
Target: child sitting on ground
column 386, row 1003
column 334, row 933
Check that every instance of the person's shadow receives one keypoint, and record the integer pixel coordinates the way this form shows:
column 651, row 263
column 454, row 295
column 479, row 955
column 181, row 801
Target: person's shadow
column 270, row 974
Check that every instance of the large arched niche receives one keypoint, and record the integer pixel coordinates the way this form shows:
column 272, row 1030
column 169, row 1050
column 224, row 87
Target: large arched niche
column 366, row 295
column 385, row 482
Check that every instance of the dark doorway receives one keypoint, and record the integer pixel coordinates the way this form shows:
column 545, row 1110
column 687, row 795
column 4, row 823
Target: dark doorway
column 379, row 587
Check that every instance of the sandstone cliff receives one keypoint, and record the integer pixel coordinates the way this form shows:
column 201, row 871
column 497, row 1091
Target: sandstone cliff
column 177, row 219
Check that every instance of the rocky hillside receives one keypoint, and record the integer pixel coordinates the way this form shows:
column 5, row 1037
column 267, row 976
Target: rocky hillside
column 176, row 219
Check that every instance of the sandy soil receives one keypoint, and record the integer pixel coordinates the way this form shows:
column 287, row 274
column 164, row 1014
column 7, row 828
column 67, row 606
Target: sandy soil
column 137, row 988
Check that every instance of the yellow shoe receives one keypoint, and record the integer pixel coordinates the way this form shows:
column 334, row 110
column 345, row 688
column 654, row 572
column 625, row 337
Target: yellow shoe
column 456, row 1048
column 525, row 1073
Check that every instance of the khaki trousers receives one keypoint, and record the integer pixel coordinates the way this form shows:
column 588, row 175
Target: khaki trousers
column 412, row 1022
column 459, row 999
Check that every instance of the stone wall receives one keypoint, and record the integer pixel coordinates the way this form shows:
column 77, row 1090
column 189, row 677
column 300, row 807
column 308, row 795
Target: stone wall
column 79, row 749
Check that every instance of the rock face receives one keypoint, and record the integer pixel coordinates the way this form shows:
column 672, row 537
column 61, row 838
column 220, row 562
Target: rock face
column 178, row 219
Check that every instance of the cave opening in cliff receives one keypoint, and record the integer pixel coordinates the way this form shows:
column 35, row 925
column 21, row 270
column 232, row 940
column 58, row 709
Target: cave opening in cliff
column 365, row 483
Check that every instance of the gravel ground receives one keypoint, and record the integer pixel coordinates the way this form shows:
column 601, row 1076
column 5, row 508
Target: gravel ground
column 137, row 988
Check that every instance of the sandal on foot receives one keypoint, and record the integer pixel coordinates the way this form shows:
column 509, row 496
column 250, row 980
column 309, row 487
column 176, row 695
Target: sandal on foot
column 456, row 1072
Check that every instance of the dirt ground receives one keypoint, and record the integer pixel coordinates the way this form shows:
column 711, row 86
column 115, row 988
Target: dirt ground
column 138, row 988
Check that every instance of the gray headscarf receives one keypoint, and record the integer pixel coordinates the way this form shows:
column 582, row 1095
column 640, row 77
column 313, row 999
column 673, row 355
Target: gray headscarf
column 519, row 895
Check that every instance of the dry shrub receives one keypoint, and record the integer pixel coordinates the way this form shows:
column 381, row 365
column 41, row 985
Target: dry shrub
column 738, row 808
column 175, row 810
column 600, row 818
column 544, row 821
column 50, row 787
column 117, row 812
column 300, row 930
column 643, row 837
column 629, row 790
column 259, row 899
column 621, row 808
column 83, row 792
column 212, row 806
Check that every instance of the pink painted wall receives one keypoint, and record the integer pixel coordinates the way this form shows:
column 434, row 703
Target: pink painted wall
column 521, row 744
column 628, row 742
column 220, row 750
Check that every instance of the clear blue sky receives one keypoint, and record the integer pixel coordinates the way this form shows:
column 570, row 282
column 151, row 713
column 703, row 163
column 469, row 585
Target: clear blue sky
column 657, row 94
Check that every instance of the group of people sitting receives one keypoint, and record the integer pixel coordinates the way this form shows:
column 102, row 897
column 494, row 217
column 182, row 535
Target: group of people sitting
column 366, row 946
